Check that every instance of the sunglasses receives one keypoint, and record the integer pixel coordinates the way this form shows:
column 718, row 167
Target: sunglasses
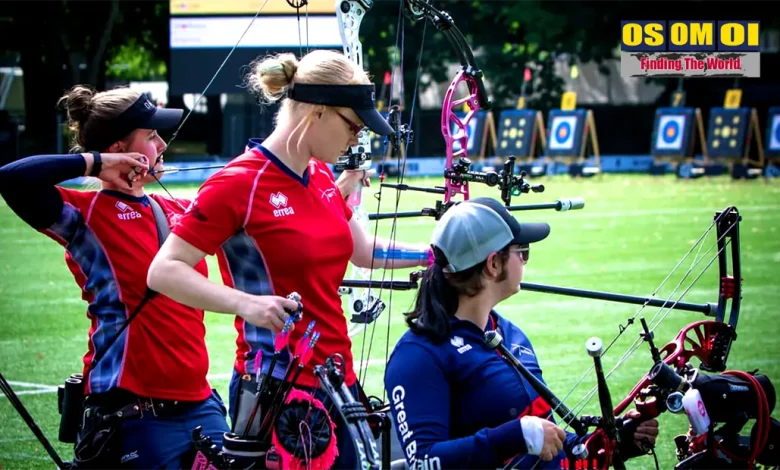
column 353, row 127
column 523, row 250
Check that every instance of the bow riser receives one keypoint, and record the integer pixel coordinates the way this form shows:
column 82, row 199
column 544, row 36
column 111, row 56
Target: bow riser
column 461, row 135
column 707, row 340
column 350, row 15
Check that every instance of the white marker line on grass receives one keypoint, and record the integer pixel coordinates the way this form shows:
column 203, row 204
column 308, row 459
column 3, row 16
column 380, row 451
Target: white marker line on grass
column 40, row 388
column 26, row 457
column 31, row 385
column 16, row 439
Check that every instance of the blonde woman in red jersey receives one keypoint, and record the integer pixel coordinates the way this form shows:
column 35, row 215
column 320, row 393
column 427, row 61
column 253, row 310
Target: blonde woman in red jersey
column 279, row 224
column 153, row 371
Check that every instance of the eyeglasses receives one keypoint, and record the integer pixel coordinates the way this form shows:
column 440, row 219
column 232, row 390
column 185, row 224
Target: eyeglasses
column 523, row 250
column 353, row 127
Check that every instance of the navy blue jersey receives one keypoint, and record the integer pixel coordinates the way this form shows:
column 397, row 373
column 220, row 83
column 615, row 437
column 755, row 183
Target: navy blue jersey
column 458, row 404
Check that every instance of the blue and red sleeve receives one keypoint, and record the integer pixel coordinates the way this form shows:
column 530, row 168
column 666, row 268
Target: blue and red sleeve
column 28, row 186
column 420, row 407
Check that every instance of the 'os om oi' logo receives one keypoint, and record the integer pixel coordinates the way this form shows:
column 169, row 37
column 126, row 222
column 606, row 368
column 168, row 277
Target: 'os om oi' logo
column 689, row 36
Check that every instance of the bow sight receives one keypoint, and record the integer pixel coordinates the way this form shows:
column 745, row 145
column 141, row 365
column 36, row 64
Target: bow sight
column 459, row 174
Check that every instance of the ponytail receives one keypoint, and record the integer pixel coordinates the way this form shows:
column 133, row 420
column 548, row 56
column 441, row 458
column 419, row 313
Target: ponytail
column 437, row 302
column 437, row 298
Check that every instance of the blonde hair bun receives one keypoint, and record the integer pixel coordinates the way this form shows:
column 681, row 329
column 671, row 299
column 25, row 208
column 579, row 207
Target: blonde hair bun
column 270, row 77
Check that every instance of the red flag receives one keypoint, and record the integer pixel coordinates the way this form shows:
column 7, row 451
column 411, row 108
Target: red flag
column 387, row 78
column 527, row 75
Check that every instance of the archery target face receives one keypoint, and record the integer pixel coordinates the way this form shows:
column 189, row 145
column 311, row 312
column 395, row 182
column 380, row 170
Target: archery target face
column 774, row 139
column 670, row 133
column 562, row 135
column 471, row 129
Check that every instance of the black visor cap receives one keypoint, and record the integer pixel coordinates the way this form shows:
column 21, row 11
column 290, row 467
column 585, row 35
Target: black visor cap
column 360, row 98
column 142, row 114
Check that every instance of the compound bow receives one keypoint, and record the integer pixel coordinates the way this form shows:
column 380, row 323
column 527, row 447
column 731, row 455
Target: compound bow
column 457, row 173
column 709, row 340
column 363, row 307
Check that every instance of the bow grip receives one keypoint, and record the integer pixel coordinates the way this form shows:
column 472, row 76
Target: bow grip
column 626, row 448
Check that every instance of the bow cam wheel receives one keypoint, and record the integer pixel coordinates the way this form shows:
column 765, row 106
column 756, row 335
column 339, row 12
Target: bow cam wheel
column 414, row 9
column 297, row 4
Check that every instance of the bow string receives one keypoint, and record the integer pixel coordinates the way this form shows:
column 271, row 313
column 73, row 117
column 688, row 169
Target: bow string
column 707, row 340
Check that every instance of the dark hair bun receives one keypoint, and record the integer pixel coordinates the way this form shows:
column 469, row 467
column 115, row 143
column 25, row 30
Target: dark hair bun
column 78, row 102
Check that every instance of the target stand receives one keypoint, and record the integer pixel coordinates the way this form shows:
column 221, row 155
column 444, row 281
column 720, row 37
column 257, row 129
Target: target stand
column 481, row 130
column 772, row 168
column 674, row 139
column 731, row 131
column 570, row 130
column 519, row 131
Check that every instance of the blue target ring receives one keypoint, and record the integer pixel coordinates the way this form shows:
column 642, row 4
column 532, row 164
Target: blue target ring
column 563, row 131
column 670, row 132
column 777, row 133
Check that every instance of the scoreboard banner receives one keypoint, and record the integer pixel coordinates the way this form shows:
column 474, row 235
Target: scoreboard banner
column 673, row 133
column 247, row 7
column 690, row 49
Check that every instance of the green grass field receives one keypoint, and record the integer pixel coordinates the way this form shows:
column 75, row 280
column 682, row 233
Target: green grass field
column 631, row 233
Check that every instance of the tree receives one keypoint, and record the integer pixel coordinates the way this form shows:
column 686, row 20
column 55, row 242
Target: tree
column 510, row 35
column 142, row 51
column 521, row 33
column 60, row 46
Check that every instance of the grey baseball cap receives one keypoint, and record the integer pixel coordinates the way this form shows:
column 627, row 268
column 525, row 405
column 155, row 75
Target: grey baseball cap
column 469, row 231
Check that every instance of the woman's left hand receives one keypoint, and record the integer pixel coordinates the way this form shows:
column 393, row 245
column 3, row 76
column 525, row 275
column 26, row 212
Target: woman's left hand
column 349, row 179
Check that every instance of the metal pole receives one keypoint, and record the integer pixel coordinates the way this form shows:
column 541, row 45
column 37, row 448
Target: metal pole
column 707, row 309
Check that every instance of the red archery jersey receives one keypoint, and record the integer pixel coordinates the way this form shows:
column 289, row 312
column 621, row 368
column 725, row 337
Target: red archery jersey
column 110, row 240
column 276, row 233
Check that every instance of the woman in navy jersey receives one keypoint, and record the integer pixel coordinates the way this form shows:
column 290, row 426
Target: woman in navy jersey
column 146, row 384
column 473, row 410
column 279, row 224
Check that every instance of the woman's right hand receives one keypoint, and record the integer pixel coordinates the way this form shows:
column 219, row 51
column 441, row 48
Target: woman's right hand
column 267, row 311
column 542, row 437
column 553, row 440
column 120, row 168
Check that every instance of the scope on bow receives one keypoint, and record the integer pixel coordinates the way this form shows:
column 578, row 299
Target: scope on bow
column 506, row 180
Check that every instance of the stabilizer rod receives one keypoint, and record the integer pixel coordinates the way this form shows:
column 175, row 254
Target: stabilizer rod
column 707, row 309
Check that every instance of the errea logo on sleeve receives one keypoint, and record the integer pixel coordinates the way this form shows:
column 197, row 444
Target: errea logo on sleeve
column 279, row 201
